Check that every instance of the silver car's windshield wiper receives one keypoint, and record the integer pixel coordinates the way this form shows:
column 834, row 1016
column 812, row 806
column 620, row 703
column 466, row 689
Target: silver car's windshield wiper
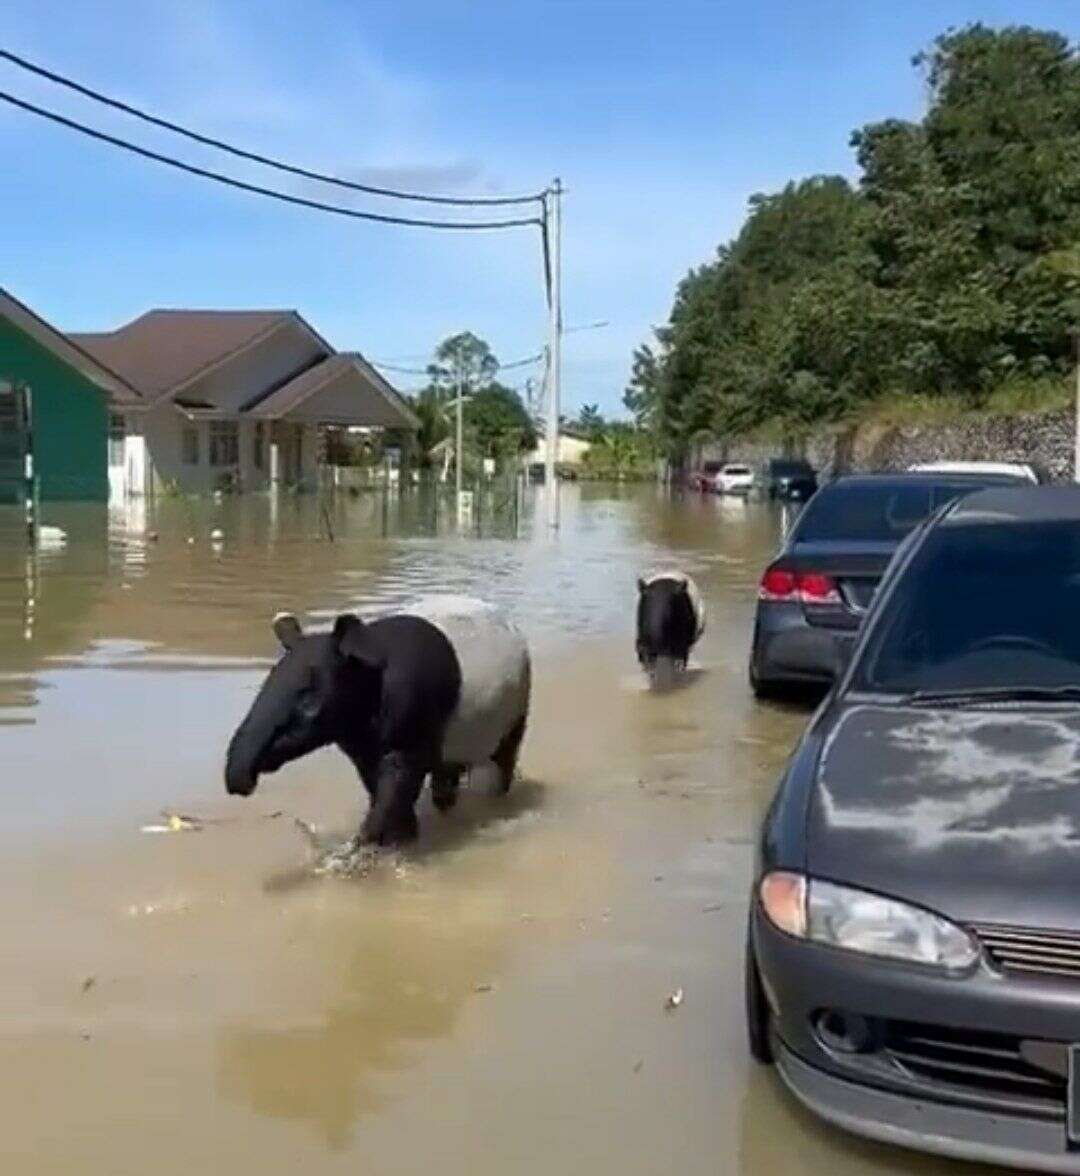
column 1048, row 694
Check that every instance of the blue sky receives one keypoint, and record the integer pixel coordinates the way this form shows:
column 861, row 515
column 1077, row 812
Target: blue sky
column 661, row 119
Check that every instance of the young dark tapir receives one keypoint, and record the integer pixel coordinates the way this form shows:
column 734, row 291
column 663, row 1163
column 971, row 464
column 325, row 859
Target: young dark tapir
column 670, row 619
column 432, row 692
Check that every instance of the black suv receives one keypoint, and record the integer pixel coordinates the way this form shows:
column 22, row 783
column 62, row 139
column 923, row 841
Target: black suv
column 787, row 479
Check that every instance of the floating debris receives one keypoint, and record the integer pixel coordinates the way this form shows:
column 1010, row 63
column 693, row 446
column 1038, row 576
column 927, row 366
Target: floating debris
column 674, row 1000
column 176, row 823
column 637, row 1066
column 88, row 983
column 484, row 988
column 713, row 906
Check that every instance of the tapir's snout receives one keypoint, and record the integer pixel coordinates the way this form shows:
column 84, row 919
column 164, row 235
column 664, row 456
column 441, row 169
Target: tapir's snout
column 240, row 774
column 240, row 783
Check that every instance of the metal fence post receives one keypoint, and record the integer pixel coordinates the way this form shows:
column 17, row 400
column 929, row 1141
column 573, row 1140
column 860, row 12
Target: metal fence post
column 31, row 492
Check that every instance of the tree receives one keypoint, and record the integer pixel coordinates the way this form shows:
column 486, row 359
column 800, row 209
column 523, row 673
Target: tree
column 462, row 359
column 498, row 421
column 590, row 421
column 952, row 266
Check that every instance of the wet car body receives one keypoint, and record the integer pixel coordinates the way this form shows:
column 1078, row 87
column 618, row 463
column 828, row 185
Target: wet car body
column 962, row 810
column 816, row 591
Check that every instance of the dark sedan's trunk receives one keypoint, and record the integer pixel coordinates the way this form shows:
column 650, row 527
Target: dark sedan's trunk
column 854, row 568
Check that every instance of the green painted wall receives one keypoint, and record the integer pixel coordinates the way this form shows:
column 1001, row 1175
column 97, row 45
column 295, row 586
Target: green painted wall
column 70, row 419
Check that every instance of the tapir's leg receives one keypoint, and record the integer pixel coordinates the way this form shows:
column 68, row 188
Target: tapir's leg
column 392, row 816
column 506, row 754
column 444, row 787
column 367, row 767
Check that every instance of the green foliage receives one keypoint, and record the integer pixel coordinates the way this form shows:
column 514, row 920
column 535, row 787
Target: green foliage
column 590, row 422
column 620, row 452
column 951, row 271
column 496, row 423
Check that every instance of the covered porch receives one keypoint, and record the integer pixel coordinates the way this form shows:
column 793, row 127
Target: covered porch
column 343, row 391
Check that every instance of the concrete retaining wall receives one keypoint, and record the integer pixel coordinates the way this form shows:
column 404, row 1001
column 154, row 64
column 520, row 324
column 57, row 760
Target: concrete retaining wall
column 1047, row 438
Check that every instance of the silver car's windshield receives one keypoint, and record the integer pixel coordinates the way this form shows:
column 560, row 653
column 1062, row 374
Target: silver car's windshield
column 981, row 607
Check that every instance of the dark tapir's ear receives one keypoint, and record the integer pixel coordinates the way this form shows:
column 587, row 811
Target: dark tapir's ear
column 287, row 629
column 354, row 641
column 641, row 583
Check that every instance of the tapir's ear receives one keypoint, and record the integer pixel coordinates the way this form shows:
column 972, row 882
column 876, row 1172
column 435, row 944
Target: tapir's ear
column 641, row 583
column 354, row 641
column 287, row 629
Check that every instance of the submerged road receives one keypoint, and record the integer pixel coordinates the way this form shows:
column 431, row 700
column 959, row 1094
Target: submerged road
column 491, row 1001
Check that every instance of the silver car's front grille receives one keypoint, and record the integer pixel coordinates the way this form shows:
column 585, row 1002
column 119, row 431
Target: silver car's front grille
column 1030, row 950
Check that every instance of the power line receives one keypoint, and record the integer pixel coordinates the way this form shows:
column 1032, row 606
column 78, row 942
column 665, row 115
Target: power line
column 257, row 189
column 410, row 371
column 253, row 156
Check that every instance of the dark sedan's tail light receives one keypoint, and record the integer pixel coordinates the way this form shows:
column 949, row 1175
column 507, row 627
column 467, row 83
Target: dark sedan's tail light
column 815, row 588
column 780, row 584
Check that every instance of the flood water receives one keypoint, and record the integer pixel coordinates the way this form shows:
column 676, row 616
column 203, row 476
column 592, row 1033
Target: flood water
column 490, row 1001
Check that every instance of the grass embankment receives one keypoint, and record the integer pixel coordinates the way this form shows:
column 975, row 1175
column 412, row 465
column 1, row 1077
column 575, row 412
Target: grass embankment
column 1013, row 398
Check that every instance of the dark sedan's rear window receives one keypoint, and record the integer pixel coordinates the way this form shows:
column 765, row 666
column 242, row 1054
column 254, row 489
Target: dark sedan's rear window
column 863, row 513
column 877, row 512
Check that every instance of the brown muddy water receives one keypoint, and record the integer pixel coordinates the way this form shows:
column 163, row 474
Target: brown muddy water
column 491, row 1001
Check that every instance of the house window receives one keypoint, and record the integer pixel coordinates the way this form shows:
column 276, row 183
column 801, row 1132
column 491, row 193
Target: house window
column 9, row 409
column 224, row 443
column 117, row 434
column 189, row 445
column 259, row 443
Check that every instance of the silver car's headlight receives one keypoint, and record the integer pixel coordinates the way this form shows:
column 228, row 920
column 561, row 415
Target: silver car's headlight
column 856, row 920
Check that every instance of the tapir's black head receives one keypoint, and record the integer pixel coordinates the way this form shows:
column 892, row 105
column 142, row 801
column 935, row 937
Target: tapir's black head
column 321, row 683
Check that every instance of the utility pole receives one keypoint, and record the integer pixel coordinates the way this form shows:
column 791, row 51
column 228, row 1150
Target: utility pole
column 553, row 226
column 460, row 414
column 1076, row 456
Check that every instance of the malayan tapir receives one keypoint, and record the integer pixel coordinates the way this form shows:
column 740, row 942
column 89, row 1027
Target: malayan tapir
column 432, row 692
column 670, row 619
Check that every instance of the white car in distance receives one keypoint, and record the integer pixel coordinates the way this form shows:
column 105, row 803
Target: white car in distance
column 734, row 479
column 1021, row 471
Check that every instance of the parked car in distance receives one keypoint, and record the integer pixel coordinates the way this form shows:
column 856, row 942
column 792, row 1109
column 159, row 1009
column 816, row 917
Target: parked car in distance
column 913, row 951
column 703, row 479
column 820, row 585
column 1027, row 471
column 734, row 479
column 787, row 479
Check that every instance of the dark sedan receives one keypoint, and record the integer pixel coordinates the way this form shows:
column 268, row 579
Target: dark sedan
column 817, row 589
column 913, row 957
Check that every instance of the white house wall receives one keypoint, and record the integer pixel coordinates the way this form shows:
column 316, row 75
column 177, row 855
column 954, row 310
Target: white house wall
column 164, row 430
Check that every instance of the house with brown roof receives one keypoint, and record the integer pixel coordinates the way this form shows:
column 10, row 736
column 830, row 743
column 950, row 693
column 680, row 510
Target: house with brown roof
column 231, row 398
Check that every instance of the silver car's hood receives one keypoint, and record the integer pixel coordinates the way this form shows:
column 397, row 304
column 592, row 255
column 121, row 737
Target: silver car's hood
column 974, row 813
